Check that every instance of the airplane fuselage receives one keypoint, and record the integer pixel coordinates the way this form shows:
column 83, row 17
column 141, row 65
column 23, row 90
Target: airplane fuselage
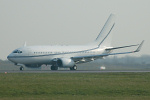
column 46, row 54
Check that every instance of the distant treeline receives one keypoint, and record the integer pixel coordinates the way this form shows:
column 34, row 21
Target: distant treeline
column 125, row 63
column 143, row 60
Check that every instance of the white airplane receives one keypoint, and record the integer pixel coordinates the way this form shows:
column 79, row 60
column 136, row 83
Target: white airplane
column 68, row 56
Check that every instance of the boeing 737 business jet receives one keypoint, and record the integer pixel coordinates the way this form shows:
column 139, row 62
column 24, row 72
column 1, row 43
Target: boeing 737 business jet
column 68, row 56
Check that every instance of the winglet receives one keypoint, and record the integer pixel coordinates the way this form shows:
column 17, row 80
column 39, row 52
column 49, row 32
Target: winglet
column 140, row 46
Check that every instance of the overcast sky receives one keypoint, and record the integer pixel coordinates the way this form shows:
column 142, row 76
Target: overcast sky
column 47, row 22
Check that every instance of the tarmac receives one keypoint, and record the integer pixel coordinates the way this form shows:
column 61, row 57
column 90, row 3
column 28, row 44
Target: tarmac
column 67, row 71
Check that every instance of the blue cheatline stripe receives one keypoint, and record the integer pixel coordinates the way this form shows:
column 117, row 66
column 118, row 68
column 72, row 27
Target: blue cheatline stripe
column 52, row 54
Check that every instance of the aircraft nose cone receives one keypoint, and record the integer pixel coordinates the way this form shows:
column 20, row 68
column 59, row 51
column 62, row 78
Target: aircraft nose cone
column 9, row 57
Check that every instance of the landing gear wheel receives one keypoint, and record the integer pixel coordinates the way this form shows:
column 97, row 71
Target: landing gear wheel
column 73, row 68
column 54, row 67
column 21, row 68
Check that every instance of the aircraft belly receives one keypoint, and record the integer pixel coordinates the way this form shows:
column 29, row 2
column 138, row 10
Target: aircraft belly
column 35, row 60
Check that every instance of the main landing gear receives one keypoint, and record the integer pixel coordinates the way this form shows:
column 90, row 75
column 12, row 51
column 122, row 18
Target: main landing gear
column 54, row 67
column 21, row 68
column 73, row 68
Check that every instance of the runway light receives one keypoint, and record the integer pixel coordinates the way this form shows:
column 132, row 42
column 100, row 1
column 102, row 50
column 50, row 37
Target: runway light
column 102, row 68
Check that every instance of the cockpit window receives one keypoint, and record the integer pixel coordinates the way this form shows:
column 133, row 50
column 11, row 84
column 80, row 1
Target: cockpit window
column 17, row 51
column 20, row 52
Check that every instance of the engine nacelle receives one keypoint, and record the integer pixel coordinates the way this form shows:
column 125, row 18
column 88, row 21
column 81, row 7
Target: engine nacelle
column 65, row 62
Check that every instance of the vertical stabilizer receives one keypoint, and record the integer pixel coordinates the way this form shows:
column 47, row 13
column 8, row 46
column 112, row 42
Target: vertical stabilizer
column 104, row 33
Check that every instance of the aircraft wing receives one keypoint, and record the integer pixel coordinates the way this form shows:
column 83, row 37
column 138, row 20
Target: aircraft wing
column 120, row 47
column 82, row 59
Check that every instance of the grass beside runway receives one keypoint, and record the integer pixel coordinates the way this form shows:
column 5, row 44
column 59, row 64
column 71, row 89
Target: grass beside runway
column 72, row 86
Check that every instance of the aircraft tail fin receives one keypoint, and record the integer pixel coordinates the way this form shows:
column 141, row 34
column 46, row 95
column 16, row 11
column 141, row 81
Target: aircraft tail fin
column 106, row 30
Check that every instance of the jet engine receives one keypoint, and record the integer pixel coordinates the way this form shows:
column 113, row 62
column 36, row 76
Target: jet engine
column 65, row 62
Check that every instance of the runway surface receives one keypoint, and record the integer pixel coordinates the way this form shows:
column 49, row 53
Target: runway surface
column 65, row 71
